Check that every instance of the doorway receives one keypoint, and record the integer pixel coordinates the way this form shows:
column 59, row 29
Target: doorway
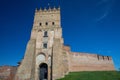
column 43, row 72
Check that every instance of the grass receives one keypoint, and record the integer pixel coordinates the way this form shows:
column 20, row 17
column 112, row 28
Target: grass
column 97, row 75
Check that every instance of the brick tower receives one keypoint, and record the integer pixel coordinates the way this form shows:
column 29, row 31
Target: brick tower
column 43, row 56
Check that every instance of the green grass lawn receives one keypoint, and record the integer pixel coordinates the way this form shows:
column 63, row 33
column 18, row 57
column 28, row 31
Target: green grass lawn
column 97, row 75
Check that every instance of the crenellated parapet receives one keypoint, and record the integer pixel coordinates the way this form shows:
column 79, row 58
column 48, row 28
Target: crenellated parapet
column 48, row 10
column 92, row 56
column 104, row 57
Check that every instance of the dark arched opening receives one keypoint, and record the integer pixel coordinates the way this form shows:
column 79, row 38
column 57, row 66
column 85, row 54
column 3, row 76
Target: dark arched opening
column 43, row 69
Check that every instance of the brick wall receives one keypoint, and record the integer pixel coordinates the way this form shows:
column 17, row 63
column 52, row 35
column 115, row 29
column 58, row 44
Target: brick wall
column 88, row 62
column 7, row 72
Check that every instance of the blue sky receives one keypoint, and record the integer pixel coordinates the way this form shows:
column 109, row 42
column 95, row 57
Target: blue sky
column 91, row 26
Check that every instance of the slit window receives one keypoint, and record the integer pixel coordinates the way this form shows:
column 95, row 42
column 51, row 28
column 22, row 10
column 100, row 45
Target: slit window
column 53, row 23
column 40, row 24
column 103, row 57
column 98, row 57
column 108, row 57
column 46, row 23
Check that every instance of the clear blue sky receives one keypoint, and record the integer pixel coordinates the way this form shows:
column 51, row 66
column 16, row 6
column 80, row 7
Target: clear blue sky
column 91, row 26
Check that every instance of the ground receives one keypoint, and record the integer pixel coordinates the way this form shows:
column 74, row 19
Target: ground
column 97, row 75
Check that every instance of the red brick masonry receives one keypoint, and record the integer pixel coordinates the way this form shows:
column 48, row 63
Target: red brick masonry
column 7, row 72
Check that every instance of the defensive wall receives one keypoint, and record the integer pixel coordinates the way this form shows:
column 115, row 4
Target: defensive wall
column 88, row 62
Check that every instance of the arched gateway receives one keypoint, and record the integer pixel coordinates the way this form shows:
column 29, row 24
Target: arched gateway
column 43, row 71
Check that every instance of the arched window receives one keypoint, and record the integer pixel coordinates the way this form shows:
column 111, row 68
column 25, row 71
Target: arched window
column 40, row 24
column 45, row 34
column 46, row 23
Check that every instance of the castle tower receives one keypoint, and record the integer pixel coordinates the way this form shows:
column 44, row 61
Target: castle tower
column 43, row 56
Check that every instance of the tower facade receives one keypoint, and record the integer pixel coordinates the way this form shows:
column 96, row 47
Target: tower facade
column 43, row 56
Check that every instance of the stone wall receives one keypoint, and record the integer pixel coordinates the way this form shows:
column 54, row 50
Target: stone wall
column 7, row 72
column 88, row 62
column 26, row 70
column 57, row 60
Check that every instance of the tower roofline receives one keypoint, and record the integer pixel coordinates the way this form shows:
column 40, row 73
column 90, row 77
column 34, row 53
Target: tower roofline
column 48, row 9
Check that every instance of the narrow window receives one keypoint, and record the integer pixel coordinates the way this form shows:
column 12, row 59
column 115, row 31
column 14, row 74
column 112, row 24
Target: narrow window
column 98, row 57
column 108, row 57
column 45, row 34
column 46, row 23
column 103, row 57
column 53, row 23
column 40, row 24
column 45, row 45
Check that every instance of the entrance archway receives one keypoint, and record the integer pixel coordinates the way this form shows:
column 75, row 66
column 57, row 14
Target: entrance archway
column 43, row 71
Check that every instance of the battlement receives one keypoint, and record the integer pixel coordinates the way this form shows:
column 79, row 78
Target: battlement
column 90, row 62
column 48, row 10
column 104, row 57
column 92, row 56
